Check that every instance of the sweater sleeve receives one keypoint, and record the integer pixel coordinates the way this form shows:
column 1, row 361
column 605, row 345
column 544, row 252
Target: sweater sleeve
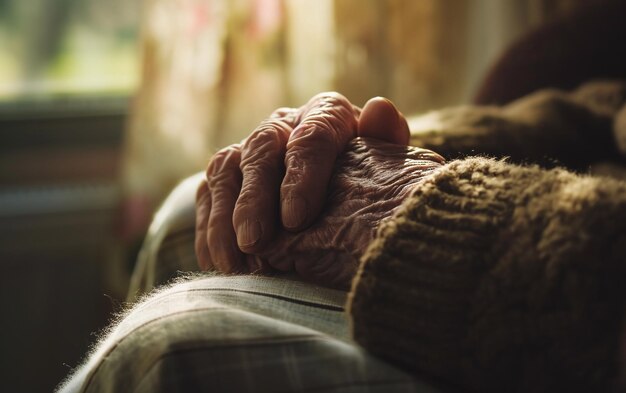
column 543, row 127
column 496, row 277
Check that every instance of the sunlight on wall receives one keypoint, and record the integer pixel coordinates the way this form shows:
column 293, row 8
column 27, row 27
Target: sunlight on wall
column 311, row 48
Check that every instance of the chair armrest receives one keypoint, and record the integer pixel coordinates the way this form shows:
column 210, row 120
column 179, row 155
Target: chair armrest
column 168, row 248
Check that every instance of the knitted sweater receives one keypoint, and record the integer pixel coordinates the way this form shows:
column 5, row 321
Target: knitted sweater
column 499, row 277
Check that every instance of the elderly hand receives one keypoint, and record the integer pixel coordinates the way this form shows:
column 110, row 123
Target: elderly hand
column 238, row 205
column 370, row 181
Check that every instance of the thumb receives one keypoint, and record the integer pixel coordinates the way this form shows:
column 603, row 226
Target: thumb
column 380, row 119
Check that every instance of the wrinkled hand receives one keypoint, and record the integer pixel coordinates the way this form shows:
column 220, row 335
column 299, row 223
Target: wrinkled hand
column 289, row 158
column 370, row 181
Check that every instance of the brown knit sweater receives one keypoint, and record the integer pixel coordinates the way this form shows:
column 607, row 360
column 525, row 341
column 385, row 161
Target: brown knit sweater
column 499, row 277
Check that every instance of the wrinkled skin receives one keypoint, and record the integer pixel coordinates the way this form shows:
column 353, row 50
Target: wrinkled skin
column 284, row 200
column 371, row 180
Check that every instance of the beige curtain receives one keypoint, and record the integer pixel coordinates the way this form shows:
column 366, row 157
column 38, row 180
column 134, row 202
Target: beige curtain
column 212, row 69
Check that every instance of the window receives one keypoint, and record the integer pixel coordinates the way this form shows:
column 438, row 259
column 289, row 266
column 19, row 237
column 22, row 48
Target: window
column 67, row 47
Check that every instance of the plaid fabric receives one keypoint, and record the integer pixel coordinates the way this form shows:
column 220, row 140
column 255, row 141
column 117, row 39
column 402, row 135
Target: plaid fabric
column 237, row 334
column 227, row 334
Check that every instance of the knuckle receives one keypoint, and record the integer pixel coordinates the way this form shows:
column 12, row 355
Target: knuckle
column 224, row 186
column 332, row 97
column 245, row 203
column 247, row 207
column 285, row 114
column 335, row 104
column 223, row 160
column 263, row 152
column 225, row 189
column 298, row 163
column 260, row 171
column 341, row 102
column 324, row 135
column 267, row 136
column 332, row 112
column 253, row 185
column 320, row 134
column 259, row 189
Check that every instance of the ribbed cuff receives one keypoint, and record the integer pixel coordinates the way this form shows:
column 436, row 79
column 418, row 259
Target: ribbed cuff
column 448, row 284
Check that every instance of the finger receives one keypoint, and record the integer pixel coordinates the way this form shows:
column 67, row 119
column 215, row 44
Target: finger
column 203, row 210
column 328, row 122
column 224, row 178
column 289, row 116
column 380, row 119
column 262, row 167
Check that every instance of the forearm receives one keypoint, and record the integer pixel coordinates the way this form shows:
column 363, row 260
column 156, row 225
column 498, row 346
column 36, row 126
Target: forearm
column 493, row 276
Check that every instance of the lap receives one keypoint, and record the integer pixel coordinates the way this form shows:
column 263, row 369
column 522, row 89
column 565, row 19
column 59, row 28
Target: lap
column 244, row 333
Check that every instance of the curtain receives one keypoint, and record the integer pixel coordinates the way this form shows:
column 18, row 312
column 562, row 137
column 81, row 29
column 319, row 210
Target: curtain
column 212, row 69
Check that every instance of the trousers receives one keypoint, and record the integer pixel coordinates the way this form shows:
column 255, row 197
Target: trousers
column 236, row 334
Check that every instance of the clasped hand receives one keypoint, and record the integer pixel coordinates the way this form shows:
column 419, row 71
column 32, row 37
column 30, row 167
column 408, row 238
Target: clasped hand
column 307, row 189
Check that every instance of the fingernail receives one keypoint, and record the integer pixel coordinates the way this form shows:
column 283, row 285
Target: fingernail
column 393, row 108
column 249, row 233
column 294, row 212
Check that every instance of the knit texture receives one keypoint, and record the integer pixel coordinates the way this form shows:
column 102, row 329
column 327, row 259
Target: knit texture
column 573, row 129
column 496, row 277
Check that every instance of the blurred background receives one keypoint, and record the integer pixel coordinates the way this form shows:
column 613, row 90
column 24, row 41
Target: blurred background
column 106, row 104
